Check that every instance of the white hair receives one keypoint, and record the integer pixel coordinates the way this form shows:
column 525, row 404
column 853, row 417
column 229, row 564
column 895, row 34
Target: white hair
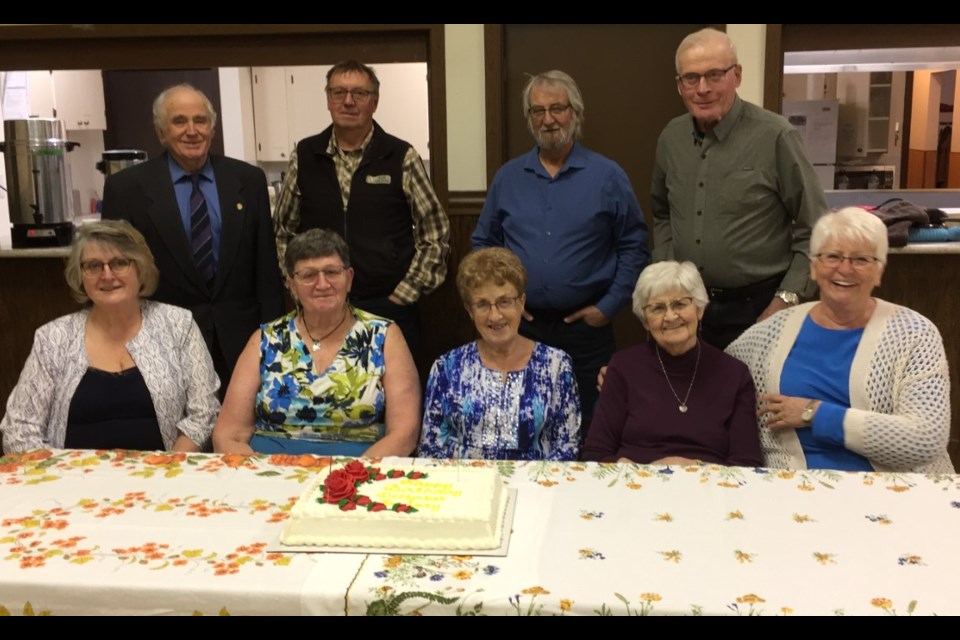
column 160, row 106
column 703, row 38
column 852, row 224
column 556, row 78
column 661, row 277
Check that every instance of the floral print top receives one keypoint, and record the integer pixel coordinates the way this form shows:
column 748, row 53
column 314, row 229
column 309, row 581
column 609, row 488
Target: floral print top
column 472, row 411
column 344, row 403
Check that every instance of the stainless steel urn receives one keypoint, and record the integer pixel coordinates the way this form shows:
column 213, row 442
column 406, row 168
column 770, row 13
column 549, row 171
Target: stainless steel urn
column 34, row 155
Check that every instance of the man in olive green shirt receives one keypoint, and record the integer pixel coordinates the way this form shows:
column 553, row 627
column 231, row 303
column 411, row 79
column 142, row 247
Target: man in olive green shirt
column 733, row 192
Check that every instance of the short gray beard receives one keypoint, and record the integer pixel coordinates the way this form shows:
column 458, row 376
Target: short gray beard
column 554, row 145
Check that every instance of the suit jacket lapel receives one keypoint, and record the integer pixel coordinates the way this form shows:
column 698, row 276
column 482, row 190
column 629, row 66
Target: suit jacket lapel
column 233, row 212
column 165, row 214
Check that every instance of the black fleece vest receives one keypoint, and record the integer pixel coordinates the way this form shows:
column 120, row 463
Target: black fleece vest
column 377, row 224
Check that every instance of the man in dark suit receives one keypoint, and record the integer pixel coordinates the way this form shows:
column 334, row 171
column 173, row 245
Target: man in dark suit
column 207, row 221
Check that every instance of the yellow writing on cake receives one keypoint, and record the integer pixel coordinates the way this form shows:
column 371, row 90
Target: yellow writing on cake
column 420, row 494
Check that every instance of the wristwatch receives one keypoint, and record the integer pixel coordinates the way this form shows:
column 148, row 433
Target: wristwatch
column 789, row 297
column 807, row 415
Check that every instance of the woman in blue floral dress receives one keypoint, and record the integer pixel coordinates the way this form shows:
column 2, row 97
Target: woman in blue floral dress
column 326, row 378
column 503, row 396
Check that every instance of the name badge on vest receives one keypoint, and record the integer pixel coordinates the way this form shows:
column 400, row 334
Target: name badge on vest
column 378, row 179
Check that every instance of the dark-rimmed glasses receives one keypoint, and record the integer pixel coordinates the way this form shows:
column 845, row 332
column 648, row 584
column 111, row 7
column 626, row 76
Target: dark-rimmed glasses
column 118, row 266
column 713, row 76
column 339, row 94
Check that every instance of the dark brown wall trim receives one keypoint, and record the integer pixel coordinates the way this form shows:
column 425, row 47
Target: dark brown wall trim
column 466, row 203
column 773, row 69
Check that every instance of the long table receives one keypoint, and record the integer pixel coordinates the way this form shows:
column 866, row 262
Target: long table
column 85, row 532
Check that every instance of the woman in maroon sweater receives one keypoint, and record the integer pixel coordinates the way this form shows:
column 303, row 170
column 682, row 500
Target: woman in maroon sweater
column 675, row 399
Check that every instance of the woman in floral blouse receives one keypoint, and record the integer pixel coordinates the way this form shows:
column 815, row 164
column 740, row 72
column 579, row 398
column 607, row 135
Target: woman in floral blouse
column 326, row 378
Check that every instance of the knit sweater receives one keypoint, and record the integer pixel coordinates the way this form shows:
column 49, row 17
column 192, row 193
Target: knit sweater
column 899, row 417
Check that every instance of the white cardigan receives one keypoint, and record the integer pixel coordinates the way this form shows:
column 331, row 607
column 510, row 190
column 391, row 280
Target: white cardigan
column 899, row 389
column 168, row 350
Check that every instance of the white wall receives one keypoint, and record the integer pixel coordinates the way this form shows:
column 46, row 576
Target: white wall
column 751, row 52
column 466, row 108
column 236, row 114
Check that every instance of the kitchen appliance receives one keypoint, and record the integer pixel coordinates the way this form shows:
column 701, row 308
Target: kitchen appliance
column 817, row 121
column 116, row 160
column 866, row 176
column 34, row 155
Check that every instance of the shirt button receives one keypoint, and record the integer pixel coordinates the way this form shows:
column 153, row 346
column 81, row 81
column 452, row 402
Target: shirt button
column 548, row 233
column 703, row 156
column 701, row 184
column 699, row 213
column 698, row 240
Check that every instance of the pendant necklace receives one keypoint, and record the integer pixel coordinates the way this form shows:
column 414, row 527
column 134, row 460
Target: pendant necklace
column 317, row 341
column 683, row 403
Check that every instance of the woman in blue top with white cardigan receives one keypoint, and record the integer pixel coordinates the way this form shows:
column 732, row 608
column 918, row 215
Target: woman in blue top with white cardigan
column 850, row 382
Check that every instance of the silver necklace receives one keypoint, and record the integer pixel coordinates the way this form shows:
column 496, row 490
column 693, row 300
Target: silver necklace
column 316, row 341
column 683, row 403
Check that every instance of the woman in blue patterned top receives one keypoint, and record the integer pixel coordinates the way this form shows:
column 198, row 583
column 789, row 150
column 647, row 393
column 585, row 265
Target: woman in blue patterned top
column 502, row 397
column 327, row 378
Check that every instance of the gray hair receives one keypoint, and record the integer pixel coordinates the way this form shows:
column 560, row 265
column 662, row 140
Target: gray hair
column 355, row 66
column 160, row 106
column 703, row 38
column 660, row 277
column 315, row 243
column 851, row 224
column 129, row 243
column 557, row 78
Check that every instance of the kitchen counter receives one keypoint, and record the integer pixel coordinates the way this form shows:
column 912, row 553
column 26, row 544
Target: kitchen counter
column 48, row 252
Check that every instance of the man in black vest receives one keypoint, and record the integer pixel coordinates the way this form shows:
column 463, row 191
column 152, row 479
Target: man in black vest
column 372, row 189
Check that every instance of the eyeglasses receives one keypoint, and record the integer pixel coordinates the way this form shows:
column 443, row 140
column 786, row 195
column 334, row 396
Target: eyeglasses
column 714, row 76
column 311, row 276
column 556, row 110
column 659, row 309
column 118, row 266
column 503, row 305
column 339, row 94
column 836, row 259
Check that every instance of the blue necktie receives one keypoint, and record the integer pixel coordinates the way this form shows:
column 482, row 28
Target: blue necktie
column 201, row 235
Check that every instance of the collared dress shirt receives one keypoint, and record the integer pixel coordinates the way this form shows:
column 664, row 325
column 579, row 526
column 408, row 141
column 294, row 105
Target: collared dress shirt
column 740, row 203
column 580, row 234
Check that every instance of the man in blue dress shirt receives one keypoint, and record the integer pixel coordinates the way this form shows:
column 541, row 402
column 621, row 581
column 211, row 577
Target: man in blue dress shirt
column 571, row 216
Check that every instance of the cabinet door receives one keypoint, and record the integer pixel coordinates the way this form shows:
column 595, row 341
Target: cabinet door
column 853, row 92
column 79, row 99
column 40, row 94
column 270, row 114
column 307, row 113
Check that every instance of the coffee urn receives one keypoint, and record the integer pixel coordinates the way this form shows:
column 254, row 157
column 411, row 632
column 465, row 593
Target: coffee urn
column 115, row 160
column 34, row 155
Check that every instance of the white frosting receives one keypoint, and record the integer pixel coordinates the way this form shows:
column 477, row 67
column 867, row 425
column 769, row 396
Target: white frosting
column 458, row 507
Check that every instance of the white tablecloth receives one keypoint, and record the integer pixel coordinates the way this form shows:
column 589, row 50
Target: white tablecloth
column 147, row 533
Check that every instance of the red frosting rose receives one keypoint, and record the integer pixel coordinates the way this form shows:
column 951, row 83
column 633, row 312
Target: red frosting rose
column 338, row 486
column 357, row 471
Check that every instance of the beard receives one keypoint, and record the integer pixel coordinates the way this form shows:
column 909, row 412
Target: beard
column 555, row 139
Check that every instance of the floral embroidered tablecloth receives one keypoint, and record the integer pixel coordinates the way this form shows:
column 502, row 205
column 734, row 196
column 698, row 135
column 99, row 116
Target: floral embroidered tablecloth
column 158, row 533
